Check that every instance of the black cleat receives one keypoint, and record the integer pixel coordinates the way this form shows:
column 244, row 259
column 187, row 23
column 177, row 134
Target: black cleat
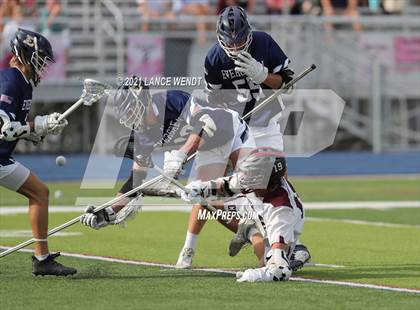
column 299, row 257
column 50, row 267
column 240, row 238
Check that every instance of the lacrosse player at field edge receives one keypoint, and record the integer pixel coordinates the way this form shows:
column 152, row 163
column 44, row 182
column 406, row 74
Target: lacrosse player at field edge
column 241, row 69
column 32, row 54
column 259, row 186
column 176, row 120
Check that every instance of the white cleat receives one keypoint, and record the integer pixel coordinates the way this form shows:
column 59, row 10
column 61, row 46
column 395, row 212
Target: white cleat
column 185, row 259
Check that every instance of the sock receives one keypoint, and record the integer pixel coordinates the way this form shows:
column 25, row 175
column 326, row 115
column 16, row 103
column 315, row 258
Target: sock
column 190, row 240
column 252, row 232
column 42, row 257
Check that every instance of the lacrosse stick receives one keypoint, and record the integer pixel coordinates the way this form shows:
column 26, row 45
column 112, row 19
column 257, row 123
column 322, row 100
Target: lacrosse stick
column 77, row 219
column 100, row 88
column 92, row 92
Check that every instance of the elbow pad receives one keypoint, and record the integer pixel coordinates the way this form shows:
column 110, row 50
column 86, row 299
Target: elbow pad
column 11, row 131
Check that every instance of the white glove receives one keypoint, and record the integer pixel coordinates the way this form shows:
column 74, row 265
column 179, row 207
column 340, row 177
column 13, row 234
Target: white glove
column 264, row 274
column 255, row 275
column 49, row 124
column 208, row 125
column 197, row 191
column 34, row 138
column 98, row 220
column 174, row 161
column 255, row 70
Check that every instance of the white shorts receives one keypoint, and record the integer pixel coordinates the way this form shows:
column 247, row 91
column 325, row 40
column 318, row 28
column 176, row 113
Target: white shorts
column 269, row 136
column 220, row 155
column 13, row 176
column 281, row 224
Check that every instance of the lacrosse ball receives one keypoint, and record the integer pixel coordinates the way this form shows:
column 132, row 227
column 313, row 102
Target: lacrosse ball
column 60, row 161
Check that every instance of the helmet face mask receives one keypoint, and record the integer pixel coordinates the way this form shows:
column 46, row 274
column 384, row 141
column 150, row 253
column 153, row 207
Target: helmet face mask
column 234, row 33
column 33, row 50
column 130, row 105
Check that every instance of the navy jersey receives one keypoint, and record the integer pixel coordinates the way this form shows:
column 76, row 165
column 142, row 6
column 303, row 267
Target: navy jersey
column 174, row 110
column 238, row 91
column 15, row 100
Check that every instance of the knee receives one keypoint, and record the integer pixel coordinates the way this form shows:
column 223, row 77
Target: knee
column 41, row 194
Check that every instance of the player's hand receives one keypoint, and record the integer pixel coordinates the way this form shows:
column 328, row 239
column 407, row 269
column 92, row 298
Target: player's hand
column 49, row 124
column 99, row 219
column 34, row 138
column 174, row 162
column 196, row 191
column 255, row 70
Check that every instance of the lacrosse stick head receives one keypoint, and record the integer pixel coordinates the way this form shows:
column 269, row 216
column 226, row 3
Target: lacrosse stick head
column 93, row 91
column 129, row 212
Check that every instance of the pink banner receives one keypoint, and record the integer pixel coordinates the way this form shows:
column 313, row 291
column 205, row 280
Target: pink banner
column 57, row 71
column 407, row 53
column 145, row 55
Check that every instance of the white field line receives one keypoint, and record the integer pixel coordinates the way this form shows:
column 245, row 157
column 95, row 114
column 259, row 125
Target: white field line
column 10, row 210
column 358, row 222
column 232, row 272
column 9, row 233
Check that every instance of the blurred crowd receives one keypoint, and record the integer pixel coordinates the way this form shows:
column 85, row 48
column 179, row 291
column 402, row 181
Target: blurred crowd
column 28, row 14
column 152, row 11
column 45, row 16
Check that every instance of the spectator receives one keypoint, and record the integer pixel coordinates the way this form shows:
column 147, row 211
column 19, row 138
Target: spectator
column 393, row 6
column 247, row 5
column 10, row 21
column 10, row 9
column 154, row 10
column 49, row 18
column 197, row 8
column 341, row 7
column 279, row 7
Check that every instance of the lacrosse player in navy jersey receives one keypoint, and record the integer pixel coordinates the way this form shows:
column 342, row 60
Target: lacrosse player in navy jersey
column 31, row 55
column 178, row 122
column 241, row 69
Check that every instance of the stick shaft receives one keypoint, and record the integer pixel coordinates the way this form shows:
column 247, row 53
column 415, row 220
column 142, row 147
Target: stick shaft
column 158, row 178
column 77, row 219
column 70, row 110
column 279, row 91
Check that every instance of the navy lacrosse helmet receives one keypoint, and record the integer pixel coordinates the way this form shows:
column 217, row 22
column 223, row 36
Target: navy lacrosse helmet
column 263, row 168
column 131, row 103
column 234, row 32
column 32, row 49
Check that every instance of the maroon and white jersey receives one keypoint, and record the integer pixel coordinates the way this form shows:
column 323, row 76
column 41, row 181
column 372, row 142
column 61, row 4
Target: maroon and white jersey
column 280, row 212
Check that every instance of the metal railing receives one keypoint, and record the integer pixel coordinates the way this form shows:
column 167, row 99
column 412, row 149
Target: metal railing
column 99, row 34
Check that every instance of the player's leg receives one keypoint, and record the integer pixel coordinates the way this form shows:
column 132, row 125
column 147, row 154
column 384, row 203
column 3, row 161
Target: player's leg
column 280, row 226
column 21, row 180
column 195, row 224
column 37, row 194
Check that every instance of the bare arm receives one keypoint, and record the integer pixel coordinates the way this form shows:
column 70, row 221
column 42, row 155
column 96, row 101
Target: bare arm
column 274, row 81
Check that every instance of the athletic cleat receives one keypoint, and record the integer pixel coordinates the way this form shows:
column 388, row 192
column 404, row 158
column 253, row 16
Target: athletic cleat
column 299, row 257
column 185, row 259
column 240, row 238
column 50, row 267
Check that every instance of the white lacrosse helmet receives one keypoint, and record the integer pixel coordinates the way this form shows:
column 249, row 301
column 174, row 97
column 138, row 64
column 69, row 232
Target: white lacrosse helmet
column 131, row 104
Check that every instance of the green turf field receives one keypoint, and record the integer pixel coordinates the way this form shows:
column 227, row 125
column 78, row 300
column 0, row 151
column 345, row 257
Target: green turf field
column 337, row 189
column 381, row 255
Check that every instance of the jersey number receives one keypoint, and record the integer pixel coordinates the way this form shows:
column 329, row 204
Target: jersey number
column 247, row 90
